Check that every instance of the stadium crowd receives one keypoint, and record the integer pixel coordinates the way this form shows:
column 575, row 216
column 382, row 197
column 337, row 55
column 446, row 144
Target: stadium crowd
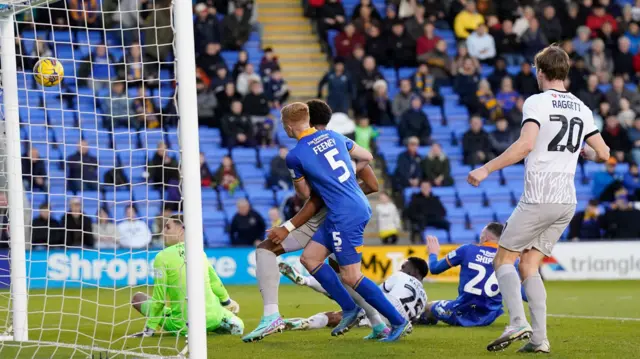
column 434, row 88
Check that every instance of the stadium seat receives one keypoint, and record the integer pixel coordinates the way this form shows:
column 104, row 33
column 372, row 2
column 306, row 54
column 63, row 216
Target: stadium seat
column 282, row 196
column 408, row 193
column 266, row 155
column 469, row 194
column 215, row 236
column 244, row 156
column 463, row 236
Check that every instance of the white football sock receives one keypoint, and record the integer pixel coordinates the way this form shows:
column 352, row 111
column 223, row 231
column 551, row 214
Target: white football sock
column 268, row 277
column 537, row 296
column 510, row 287
column 318, row 321
column 313, row 283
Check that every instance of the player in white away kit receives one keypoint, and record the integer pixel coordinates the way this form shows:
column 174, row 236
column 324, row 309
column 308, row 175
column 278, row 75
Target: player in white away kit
column 403, row 289
column 555, row 124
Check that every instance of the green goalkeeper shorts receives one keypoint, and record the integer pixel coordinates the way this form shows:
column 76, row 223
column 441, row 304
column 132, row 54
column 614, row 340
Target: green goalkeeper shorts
column 177, row 325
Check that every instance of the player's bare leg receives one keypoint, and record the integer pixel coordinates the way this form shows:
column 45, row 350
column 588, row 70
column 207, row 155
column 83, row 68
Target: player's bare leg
column 268, row 280
column 537, row 297
column 137, row 300
column 510, row 287
column 313, row 259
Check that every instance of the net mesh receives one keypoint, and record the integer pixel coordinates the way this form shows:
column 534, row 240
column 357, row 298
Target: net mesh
column 100, row 157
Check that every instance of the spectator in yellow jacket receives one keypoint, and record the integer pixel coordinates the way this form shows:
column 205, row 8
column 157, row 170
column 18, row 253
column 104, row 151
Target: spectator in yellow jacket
column 467, row 21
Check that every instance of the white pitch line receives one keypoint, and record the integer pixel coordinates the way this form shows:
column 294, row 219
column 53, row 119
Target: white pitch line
column 593, row 317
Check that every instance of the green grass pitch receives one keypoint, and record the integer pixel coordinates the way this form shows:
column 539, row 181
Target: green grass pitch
column 573, row 330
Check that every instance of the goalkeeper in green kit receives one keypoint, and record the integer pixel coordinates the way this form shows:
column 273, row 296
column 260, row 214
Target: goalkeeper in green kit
column 166, row 309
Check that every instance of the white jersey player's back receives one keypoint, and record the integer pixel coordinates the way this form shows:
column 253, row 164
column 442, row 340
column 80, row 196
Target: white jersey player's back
column 565, row 122
column 406, row 293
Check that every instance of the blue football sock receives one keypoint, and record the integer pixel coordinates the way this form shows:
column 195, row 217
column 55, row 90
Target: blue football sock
column 331, row 283
column 374, row 296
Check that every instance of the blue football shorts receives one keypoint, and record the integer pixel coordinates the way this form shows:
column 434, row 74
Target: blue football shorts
column 455, row 313
column 345, row 241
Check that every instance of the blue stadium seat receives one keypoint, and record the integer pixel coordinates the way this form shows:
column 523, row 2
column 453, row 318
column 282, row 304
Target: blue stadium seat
column 125, row 140
column 150, row 138
column 447, row 195
column 463, row 236
column 457, row 216
column 106, row 157
column 244, row 156
column 229, row 199
column 209, row 136
column 469, row 194
column 282, row 195
column 408, row 193
column 497, row 194
column 215, row 236
column 266, row 155
column 441, row 234
column 478, row 214
column 209, row 198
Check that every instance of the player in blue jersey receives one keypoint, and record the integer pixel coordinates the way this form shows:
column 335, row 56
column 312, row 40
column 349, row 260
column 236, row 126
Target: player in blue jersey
column 479, row 301
column 322, row 160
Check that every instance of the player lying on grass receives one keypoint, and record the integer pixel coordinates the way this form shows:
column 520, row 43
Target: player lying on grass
column 167, row 307
column 479, row 301
column 403, row 289
column 281, row 240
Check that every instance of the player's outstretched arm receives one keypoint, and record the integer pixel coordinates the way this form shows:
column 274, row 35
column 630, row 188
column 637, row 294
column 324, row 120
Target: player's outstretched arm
column 310, row 208
column 438, row 266
column 514, row 154
column 369, row 182
column 221, row 292
column 596, row 149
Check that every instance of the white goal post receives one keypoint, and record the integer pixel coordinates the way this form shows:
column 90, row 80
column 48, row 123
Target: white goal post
column 18, row 331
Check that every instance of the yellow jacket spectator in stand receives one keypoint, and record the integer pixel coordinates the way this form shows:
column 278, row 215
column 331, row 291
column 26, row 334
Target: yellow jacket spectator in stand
column 467, row 21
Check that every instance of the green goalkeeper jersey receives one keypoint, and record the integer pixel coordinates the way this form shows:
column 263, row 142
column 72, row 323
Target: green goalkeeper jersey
column 170, row 290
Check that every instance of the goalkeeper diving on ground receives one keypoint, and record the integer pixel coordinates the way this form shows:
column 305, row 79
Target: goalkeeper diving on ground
column 166, row 309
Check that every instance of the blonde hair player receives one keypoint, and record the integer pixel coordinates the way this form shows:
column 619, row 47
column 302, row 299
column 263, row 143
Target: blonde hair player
column 555, row 123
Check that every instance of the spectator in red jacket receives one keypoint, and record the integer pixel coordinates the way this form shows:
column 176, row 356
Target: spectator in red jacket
column 427, row 42
column 347, row 40
column 598, row 18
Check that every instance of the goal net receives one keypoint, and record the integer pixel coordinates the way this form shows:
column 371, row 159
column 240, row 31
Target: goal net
column 102, row 167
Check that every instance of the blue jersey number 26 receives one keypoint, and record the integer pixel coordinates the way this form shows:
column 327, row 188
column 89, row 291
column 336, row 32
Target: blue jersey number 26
column 470, row 287
column 330, row 156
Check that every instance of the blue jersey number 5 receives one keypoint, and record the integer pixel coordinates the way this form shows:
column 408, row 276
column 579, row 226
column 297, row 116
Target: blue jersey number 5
column 330, row 156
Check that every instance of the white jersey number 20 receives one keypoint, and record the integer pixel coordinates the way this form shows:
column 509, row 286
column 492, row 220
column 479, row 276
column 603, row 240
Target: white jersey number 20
column 470, row 287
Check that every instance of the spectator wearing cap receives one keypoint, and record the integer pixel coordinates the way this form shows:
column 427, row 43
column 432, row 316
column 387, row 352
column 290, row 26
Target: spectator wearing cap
column 533, row 40
column 599, row 61
column 206, row 28
column 408, row 172
column 585, row 225
column 591, row 94
column 467, row 20
column 481, row 45
column 77, row 226
column 582, row 42
column 622, row 220
column 268, row 64
column 476, row 145
column 415, row 24
column 379, row 106
column 426, row 42
column 376, row 45
column 207, row 103
column 550, row 24
column 245, row 78
column 236, row 29
column 616, row 137
column 414, row 123
column 634, row 138
column 508, row 44
column 133, row 232
column 236, row 128
column 618, row 91
column 331, row 17
column 340, row 89
column 598, row 18
column 346, row 40
column 633, row 34
column 276, row 89
column 220, row 80
column 402, row 100
column 211, row 60
column 401, row 47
